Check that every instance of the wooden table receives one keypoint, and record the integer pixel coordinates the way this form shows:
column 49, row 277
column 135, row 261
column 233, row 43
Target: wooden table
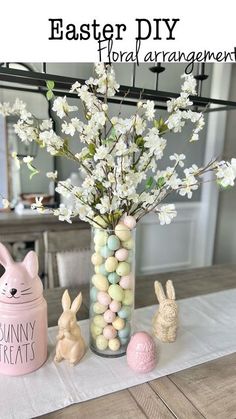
column 205, row 391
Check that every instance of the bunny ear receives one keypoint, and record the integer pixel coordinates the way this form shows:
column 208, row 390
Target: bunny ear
column 159, row 291
column 76, row 303
column 5, row 257
column 170, row 290
column 66, row 302
column 31, row 264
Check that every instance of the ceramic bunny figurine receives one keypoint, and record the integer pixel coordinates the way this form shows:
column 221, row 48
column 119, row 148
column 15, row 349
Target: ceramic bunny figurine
column 166, row 318
column 23, row 315
column 70, row 345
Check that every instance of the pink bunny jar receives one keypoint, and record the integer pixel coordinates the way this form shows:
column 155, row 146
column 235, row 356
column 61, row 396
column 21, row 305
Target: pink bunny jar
column 23, row 316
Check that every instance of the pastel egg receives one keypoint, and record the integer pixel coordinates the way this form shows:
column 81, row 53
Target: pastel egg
column 97, row 248
column 128, row 244
column 95, row 330
column 122, row 232
column 102, row 270
column 109, row 316
column 128, row 298
column 111, row 264
column 103, row 298
column 113, row 278
column 113, row 242
column 96, row 259
column 121, row 255
column 114, row 344
column 123, row 269
column 100, row 282
column 97, row 269
column 124, row 341
column 99, row 308
column 124, row 312
column 98, row 221
column 116, row 292
column 101, row 343
column 99, row 321
column 115, row 306
column 141, row 353
column 118, row 323
column 126, row 281
column 129, row 221
column 100, row 237
column 125, row 332
column 109, row 332
column 93, row 293
column 106, row 252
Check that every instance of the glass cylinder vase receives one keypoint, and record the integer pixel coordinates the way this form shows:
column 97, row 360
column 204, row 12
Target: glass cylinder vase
column 112, row 290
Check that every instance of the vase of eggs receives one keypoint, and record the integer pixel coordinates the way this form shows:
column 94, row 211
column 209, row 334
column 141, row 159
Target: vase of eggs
column 112, row 288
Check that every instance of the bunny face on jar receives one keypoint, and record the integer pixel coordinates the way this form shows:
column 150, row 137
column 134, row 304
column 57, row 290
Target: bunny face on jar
column 20, row 282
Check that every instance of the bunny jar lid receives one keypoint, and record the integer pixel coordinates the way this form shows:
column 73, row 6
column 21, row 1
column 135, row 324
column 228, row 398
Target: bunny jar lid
column 20, row 282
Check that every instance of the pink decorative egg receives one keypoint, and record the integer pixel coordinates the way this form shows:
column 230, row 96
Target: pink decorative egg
column 129, row 221
column 115, row 306
column 103, row 298
column 109, row 332
column 109, row 316
column 141, row 353
column 122, row 255
column 126, row 282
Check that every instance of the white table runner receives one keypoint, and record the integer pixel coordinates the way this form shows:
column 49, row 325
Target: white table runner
column 207, row 331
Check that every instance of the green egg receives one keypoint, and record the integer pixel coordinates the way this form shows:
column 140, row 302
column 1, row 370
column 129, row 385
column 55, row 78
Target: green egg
column 124, row 341
column 100, row 237
column 125, row 332
column 113, row 242
column 113, row 278
column 116, row 292
column 106, row 252
column 93, row 293
column 125, row 312
column 128, row 298
column 99, row 321
column 102, row 270
column 95, row 330
column 99, row 308
column 123, row 269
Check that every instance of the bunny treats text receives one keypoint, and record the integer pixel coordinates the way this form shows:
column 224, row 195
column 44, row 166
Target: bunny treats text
column 166, row 318
column 70, row 345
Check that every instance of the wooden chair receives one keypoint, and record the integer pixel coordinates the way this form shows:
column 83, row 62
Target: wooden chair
column 67, row 257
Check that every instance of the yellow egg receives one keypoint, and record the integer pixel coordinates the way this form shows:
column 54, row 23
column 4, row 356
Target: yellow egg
column 97, row 248
column 96, row 259
column 122, row 232
column 128, row 298
column 101, row 343
column 129, row 244
column 100, row 237
column 114, row 344
column 100, row 282
column 101, row 223
column 95, row 330
column 97, row 269
column 118, row 323
column 111, row 264
column 99, row 308
column 99, row 321
column 116, row 292
column 123, row 269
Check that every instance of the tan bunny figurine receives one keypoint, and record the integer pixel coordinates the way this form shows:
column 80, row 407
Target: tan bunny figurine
column 70, row 345
column 166, row 318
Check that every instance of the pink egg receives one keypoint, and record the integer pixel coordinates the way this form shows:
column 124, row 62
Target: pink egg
column 141, row 353
column 126, row 282
column 129, row 221
column 109, row 316
column 122, row 255
column 103, row 298
column 109, row 332
column 115, row 306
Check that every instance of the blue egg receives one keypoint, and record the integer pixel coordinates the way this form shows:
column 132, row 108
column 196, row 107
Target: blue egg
column 106, row 252
column 102, row 270
column 125, row 312
column 113, row 278
column 113, row 242
column 124, row 333
column 124, row 341
column 93, row 293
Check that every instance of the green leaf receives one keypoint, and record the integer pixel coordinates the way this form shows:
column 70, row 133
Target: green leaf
column 92, row 149
column 149, row 182
column 49, row 94
column 160, row 182
column 139, row 141
column 50, row 84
